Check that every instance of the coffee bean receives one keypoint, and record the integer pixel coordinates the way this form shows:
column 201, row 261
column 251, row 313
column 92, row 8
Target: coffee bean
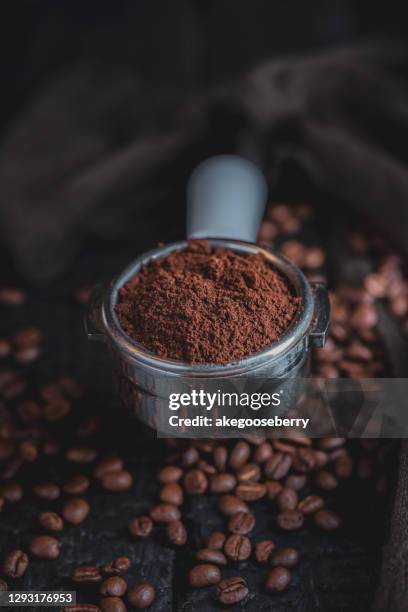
column 141, row 595
column 364, row 316
column 11, row 491
column 204, row 575
column 112, row 604
column 251, row 491
column 229, row 505
column 15, row 564
column 86, row 574
column 141, row 527
column 237, row 547
column 27, row 354
column 81, row 608
column 177, row 534
column 108, row 465
column 290, row 520
column 263, row 550
column 5, row 348
column 208, row 555
column 327, row 520
column 171, row 473
column 11, row 296
column 172, row 493
column 304, row 460
column 232, row 590
column 326, row 480
column 28, row 451
column 81, row 454
column 51, row 521
column 206, row 467
column 115, row 586
column 118, row 481
column 195, row 482
column 45, row 547
column 239, row 455
column 311, row 504
column 220, row 457
column 190, row 457
column 278, row 466
column 165, row 513
column 295, row 481
column 119, row 565
column 241, row 523
column 250, row 472
column 75, row 510
column 278, row 579
column 263, row 452
column 287, row 499
column 222, row 483
column 216, row 540
column 287, row 557
column 76, row 485
column 273, row 488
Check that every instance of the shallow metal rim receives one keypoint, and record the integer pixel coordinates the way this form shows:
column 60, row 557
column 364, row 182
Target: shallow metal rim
column 135, row 352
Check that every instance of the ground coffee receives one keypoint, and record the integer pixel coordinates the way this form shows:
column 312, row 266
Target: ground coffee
column 205, row 305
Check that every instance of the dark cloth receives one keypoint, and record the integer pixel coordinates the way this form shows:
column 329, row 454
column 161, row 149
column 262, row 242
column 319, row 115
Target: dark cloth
column 99, row 153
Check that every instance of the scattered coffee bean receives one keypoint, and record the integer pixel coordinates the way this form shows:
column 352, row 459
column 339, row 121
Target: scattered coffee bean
column 76, row 485
column 117, row 482
column 51, row 521
column 263, row 452
column 195, row 482
column 327, row 520
column 287, row 557
column 172, row 493
column 239, row 455
column 278, row 579
column 45, row 547
column 11, row 296
column 115, row 586
column 232, row 590
column 295, row 481
column 278, row 466
column 112, row 604
column 250, row 472
column 81, row 454
column 216, row 540
column 290, row 520
column 141, row 527
column 108, row 465
column 171, row 473
column 222, row 483
column 273, row 488
column 15, row 564
column 263, row 550
column 119, row 565
column 5, row 348
column 237, row 547
column 204, row 575
column 241, row 523
column 190, row 457
column 287, row 499
column 326, row 480
column 141, row 595
column 165, row 513
column 250, row 491
column 208, row 555
column 230, row 505
column 75, row 510
column 220, row 457
column 311, row 504
column 86, row 574
column 177, row 534
column 11, row 491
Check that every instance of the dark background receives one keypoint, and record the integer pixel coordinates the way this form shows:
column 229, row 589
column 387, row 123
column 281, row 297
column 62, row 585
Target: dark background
column 184, row 44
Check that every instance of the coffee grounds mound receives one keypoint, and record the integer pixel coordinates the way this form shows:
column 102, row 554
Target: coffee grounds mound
column 205, row 305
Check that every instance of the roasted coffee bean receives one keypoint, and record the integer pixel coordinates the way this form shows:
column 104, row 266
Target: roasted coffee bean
column 112, row 604
column 364, row 316
column 165, row 513
column 263, row 452
column 190, row 457
column 237, row 547
column 75, row 510
column 220, row 458
column 208, row 555
column 177, row 534
column 284, row 446
column 278, row 466
column 27, row 336
column 108, row 465
column 28, row 451
column 11, row 491
column 204, row 575
column 241, row 523
column 304, row 460
column 3, row 585
column 250, row 472
column 326, row 480
column 11, row 296
column 290, row 520
column 119, row 565
column 141, row 527
column 263, row 550
column 5, row 348
column 86, row 574
column 229, row 505
column 172, row 493
column 273, row 488
column 287, row 499
column 295, row 481
column 222, row 483
column 278, row 579
column 27, row 354
column 251, row 491
column 232, row 590
column 195, row 482
column 216, row 540
column 117, row 482
column 311, row 504
column 51, row 521
column 321, row 459
column 206, row 467
column 239, row 455
column 45, row 547
column 115, row 586
column 170, row 473
column 287, row 557
column 327, row 520
column 141, row 595
column 76, row 485
column 81, row 454
column 15, row 564
column 329, row 444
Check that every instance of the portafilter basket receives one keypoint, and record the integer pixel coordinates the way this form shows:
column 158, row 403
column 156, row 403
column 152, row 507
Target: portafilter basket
column 226, row 199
